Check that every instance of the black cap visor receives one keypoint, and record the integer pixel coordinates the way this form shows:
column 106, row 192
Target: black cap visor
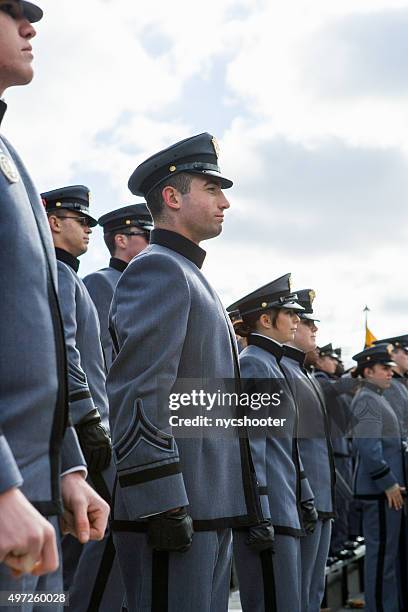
column 31, row 11
column 308, row 316
column 224, row 182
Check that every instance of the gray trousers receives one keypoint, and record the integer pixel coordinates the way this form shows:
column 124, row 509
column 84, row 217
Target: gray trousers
column 195, row 581
column 52, row 583
column 381, row 529
column 258, row 578
column 314, row 551
column 92, row 572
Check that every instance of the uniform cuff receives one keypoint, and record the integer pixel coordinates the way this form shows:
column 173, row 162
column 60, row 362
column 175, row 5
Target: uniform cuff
column 155, row 496
column 10, row 475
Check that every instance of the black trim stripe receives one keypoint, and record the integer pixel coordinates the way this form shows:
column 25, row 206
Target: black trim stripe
column 160, row 581
column 263, row 490
column 370, row 496
column 129, row 480
column 234, row 522
column 48, row 508
column 77, row 396
column 102, row 577
column 302, row 475
column 381, row 556
column 381, row 474
column 268, row 578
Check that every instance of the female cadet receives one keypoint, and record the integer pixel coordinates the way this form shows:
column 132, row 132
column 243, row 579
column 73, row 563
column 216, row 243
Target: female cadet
column 270, row 582
column 379, row 477
column 315, row 450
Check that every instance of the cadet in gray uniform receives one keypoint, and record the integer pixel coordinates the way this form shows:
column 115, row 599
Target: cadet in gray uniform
column 70, row 223
column 126, row 233
column 169, row 325
column 379, row 478
column 335, row 391
column 40, row 457
column 397, row 396
column 316, row 452
column 270, row 318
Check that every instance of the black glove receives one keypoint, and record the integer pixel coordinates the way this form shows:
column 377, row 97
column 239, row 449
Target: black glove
column 171, row 531
column 95, row 442
column 309, row 515
column 261, row 537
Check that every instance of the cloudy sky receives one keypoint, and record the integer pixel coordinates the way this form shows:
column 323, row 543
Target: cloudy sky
column 309, row 101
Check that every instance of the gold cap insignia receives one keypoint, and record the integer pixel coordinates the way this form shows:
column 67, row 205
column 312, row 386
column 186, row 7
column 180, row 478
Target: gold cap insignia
column 89, row 197
column 264, row 304
column 58, row 204
column 290, row 282
column 389, row 349
column 216, row 146
column 312, row 295
column 173, row 168
column 8, row 168
column 128, row 222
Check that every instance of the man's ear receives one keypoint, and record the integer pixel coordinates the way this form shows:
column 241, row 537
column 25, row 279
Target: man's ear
column 265, row 320
column 171, row 197
column 55, row 224
column 120, row 241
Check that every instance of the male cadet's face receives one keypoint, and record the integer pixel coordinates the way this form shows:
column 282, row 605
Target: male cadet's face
column 401, row 359
column 379, row 374
column 74, row 237
column 15, row 49
column 305, row 336
column 202, row 209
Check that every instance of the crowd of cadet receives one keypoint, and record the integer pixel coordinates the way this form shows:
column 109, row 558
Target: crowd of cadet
column 87, row 367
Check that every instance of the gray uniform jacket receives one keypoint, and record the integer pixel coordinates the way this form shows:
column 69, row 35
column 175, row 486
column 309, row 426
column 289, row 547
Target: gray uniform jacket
column 101, row 285
column 275, row 452
column 314, row 436
column 377, row 439
column 397, row 396
column 86, row 366
column 335, row 391
column 33, row 401
column 169, row 324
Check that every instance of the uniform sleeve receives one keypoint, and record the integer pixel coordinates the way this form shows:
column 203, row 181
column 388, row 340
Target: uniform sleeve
column 306, row 492
column 367, row 435
column 256, row 379
column 80, row 400
column 101, row 293
column 149, row 316
column 9, row 473
column 71, row 454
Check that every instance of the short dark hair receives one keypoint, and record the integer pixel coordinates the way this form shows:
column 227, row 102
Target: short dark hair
column 110, row 242
column 154, row 201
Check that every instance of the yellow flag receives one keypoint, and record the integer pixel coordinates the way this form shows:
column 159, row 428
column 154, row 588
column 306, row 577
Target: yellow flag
column 369, row 338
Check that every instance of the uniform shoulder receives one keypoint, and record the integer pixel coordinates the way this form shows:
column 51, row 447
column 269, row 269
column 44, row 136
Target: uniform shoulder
column 97, row 278
column 252, row 363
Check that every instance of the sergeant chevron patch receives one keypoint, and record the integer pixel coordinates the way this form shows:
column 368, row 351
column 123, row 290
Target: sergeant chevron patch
column 141, row 429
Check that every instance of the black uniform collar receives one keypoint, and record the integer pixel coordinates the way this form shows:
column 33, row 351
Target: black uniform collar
column 67, row 258
column 180, row 244
column 267, row 344
column 374, row 388
column 3, row 108
column 398, row 375
column 118, row 264
column 295, row 354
